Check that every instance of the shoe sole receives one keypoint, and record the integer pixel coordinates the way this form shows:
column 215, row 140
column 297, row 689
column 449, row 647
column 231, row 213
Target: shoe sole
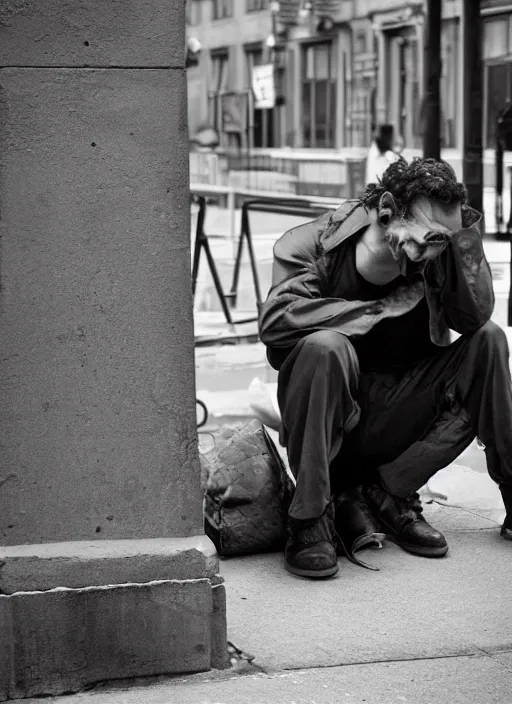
column 313, row 574
column 418, row 550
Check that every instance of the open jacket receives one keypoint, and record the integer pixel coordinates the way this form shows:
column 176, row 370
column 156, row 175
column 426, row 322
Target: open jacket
column 457, row 285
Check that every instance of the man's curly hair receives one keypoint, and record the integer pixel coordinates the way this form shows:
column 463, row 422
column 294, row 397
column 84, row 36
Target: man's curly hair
column 422, row 177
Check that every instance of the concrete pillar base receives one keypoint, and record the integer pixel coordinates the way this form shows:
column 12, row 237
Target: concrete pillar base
column 72, row 614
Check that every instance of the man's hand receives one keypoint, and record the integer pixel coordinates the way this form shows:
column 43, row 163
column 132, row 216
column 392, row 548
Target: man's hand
column 431, row 247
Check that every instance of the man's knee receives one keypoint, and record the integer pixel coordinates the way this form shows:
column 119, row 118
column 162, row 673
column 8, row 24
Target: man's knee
column 324, row 378
column 491, row 337
column 325, row 344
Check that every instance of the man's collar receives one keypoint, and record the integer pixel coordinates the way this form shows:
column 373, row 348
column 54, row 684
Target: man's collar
column 349, row 218
column 471, row 218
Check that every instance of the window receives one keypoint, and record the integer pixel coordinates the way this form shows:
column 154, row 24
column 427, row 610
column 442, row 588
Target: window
column 498, row 84
column 410, row 101
column 496, row 37
column 253, row 57
column 449, row 83
column 497, row 50
column 218, row 81
column 219, row 61
column 266, row 124
column 318, row 95
column 256, row 5
column 193, row 10
column 260, row 118
column 403, row 85
column 222, row 9
column 360, row 42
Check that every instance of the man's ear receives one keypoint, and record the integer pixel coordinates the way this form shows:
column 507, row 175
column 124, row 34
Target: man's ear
column 387, row 209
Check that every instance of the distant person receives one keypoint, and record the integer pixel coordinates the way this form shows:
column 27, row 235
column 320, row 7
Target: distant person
column 384, row 150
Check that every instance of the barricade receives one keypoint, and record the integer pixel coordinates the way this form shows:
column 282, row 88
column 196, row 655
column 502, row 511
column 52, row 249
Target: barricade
column 287, row 204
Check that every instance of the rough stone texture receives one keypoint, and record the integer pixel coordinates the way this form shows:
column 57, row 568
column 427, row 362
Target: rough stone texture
column 62, row 640
column 97, row 412
column 81, row 564
column 5, row 648
column 142, row 33
column 97, row 388
column 220, row 658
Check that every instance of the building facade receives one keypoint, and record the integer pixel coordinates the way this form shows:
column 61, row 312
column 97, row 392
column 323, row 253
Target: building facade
column 341, row 67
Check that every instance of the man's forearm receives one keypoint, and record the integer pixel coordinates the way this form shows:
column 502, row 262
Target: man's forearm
column 291, row 312
column 461, row 279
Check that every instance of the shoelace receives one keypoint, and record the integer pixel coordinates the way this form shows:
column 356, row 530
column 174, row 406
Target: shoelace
column 328, row 532
column 409, row 505
column 375, row 539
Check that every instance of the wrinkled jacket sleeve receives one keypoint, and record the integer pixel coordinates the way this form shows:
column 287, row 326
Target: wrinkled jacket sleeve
column 459, row 286
column 296, row 306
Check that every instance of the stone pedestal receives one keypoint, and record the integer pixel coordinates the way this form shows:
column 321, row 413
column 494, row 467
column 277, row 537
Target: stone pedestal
column 97, row 395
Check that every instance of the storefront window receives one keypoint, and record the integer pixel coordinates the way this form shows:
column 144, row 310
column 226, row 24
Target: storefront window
column 318, row 95
column 497, row 52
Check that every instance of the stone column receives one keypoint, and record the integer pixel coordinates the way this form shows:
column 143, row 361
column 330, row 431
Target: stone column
column 104, row 568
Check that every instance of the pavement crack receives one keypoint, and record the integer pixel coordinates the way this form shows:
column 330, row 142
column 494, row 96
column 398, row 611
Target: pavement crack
column 466, row 510
column 495, row 655
column 478, row 653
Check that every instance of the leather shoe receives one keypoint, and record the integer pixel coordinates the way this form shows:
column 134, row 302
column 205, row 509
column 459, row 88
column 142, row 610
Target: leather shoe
column 356, row 527
column 402, row 521
column 310, row 550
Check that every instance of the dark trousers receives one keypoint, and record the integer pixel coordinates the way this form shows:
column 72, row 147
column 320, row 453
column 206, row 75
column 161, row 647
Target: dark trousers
column 342, row 427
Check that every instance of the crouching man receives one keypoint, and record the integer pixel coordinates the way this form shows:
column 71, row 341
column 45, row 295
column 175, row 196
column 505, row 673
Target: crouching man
column 375, row 396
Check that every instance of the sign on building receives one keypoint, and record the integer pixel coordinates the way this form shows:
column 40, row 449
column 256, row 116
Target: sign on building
column 263, row 86
column 234, row 110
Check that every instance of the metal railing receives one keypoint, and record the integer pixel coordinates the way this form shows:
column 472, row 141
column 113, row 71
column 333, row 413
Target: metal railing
column 250, row 202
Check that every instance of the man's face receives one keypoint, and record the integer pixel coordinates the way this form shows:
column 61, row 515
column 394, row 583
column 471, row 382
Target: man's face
column 424, row 232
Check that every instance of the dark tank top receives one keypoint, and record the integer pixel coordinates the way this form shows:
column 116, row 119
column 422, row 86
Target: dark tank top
column 392, row 343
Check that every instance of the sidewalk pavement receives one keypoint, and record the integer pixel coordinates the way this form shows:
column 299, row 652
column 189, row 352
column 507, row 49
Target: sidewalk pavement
column 419, row 631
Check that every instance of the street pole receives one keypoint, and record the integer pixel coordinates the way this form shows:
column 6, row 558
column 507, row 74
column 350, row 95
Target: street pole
column 472, row 108
column 432, row 78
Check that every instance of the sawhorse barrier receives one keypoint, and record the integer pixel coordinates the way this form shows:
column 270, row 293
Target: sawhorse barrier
column 285, row 204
